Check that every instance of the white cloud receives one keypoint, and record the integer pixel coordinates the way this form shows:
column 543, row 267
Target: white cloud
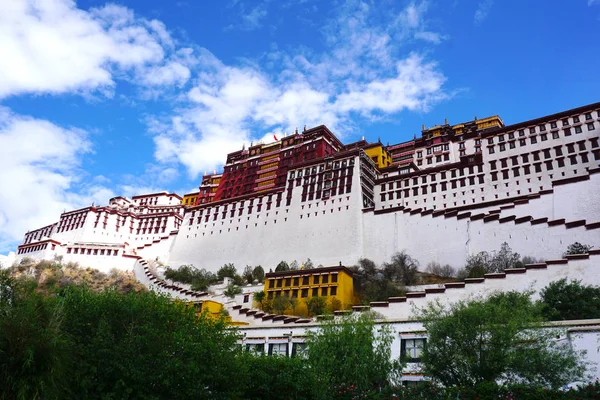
column 41, row 168
column 592, row 2
column 483, row 9
column 361, row 71
column 52, row 46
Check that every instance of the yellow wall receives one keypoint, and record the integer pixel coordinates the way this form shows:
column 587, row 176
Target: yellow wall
column 295, row 285
column 380, row 156
column 189, row 199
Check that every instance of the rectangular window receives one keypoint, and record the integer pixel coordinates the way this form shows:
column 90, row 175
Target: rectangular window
column 590, row 126
column 316, row 280
column 315, row 292
column 278, row 349
column 324, row 291
column 555, row 135
column 578, row 129
column 412, row 349
column 256, row 348
column 299, row 350
column 533, row 140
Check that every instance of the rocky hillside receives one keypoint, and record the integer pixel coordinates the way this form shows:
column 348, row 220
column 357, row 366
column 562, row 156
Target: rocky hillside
column 52, row 275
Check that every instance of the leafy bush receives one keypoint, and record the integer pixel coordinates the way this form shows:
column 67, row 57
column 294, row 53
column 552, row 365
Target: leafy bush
column 351, row 352
column 499, row 337
column 232, row 291
column 497, row 261
column 568, row 301
column 577, row 248
column 371, row 284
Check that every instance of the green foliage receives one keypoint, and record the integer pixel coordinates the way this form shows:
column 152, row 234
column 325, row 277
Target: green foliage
column 308, row 264
column 80, row 344
column 282, row 378
column 334, row 304
column 258, row 297
column 226, row 271
column 199, row 279
column 497, row 261
column 258, row 274
column 577, row 248
column 370, row 284
column 294, row 266
column 247, row 275
column 316, row 305
column 34, row 358
column 499, row 337
column 401, row 269
column 490, row 390
column 352, row 351
column 568, row 301
column 280, row 304
column 232, row 291
column 145, row 346
column 282, row 266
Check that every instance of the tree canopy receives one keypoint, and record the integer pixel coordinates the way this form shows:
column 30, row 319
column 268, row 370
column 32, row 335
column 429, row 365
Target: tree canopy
column 499, row 337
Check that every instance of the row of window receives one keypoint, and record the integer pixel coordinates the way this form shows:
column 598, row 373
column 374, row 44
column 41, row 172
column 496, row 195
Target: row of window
column 411, row 349
column 316, row 280
column 534, row 140
column 303, row 293
column 92, row 252
column 547, row 153
column 32, row 249
column 453, row 173
column 549, row 164
column 36, row 235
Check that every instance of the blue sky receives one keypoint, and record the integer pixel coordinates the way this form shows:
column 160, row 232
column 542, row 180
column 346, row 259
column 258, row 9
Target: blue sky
column 100, row 99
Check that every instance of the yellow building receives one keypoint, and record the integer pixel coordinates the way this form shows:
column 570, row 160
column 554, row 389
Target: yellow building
column 190, row 199
column 379, row 155
column 301, row 285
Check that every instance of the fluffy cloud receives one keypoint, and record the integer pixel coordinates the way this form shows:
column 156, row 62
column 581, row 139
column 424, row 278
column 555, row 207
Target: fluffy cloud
column 52, row 46
column 360, row 72
column 41, row 168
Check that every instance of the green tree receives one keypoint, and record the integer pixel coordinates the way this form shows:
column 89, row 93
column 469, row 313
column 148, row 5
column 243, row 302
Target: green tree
column 370, row 284
column 353, row 351
column 316, row 305
column 294, row 266
column 144, row 345
column 226, row 271
column 275, row 378
column 247, row 275
column 34, row 351
column 282, row 266
column 308, row 264
column 258, row 298
column 232, row 291
column 258, row 274
column 569, row 301
column 500, row 337
column 280, row 304
column 401, row 269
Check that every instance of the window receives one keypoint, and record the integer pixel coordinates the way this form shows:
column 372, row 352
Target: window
column 333, row 291
column 532, row 130
column 553, row 125
column 419, row 154
column 581, row 146
column 542, row 128
column 299, row 350
column 511, row 135
column 305, row 280
column 491, row 150
column 578, row 129
column 565, row 122
column 561, row 162
column 257, row 348
column 491, row 140
column 316, row 279
column 555, row 135
column 544, row 137
column 576, row 119
column 412, row 349
column 512, row 145
column 278, row 349
column 533, row 140
column 567, row 131
column 590, row 126
column 502, row 147
column 501, row 138
column 521, row 132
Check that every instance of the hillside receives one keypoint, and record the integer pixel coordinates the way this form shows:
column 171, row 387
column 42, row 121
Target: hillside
column 52, row 275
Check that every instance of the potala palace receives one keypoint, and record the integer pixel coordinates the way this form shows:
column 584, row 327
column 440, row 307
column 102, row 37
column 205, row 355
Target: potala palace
column 453, row 191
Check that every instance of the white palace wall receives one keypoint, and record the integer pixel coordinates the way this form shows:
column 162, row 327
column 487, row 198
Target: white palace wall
column 449, row 240
column 326, row 231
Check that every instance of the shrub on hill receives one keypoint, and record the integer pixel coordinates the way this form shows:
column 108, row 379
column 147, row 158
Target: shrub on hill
column 497, row 261
column 577, row 248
